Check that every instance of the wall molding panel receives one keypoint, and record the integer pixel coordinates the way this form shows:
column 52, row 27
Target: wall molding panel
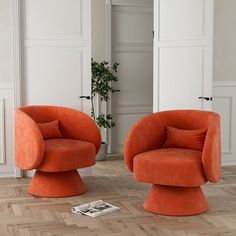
column 7, row 168
column 224, row 102
column 133, row 109
column 2, row 132
column 130, row 2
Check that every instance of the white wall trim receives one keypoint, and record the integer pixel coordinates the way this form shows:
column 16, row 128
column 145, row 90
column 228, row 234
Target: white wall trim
column 16, row 52
column 55, row 43
column 130, row 2
column 16, row 63
column 156, row 56
column 8, row 175
column 226, row 83
column 2, row 134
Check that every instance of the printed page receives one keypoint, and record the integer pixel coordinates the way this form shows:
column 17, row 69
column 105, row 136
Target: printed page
column 95, row 208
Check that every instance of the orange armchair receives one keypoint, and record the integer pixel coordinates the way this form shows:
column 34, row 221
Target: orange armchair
column 176, row 171
column 75, row 145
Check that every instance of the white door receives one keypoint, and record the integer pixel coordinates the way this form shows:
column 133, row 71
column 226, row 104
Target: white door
column 132, row 47
column 8, row 72
column 183, row 51
column 57, row 52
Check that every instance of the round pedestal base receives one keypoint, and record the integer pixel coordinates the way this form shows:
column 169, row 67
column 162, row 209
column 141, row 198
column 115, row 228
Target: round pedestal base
column 57, row 184
column 175, row 201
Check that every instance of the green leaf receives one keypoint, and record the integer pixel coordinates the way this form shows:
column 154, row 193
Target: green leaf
column 102, row 82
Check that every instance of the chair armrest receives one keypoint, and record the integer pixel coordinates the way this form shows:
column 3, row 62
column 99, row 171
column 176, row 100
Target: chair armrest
column 29, row 144
column 147, row 134
column 75, row 124
column 211, row 155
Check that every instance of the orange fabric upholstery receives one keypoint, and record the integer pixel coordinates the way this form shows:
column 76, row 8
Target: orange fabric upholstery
column 211, row 156
column 77, row 148
column 73, row 123
column 29, row 142
column 173, row 166
column 50, row 130
column 182, row 138
column 67, row 154
column 177, row 169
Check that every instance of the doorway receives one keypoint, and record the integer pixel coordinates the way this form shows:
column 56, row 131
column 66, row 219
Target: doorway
column 131, row 46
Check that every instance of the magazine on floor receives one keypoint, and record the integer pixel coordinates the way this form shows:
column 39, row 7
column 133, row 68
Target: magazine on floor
column 94, row 209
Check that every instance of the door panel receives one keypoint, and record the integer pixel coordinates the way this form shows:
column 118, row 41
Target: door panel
column 56, row 72
column 57, row 52
column 183, row 52
column 53, row 19
column 128, row 21
column 135, row 73
column 181, row 19
column 181, row 85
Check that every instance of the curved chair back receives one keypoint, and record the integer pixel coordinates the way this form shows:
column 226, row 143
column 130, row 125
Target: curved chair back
column 149, row 133
column 29, row 144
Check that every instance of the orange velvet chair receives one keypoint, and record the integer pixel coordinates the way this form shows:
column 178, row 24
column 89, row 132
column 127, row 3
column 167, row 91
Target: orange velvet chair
column 56, row 141
column 176, row 151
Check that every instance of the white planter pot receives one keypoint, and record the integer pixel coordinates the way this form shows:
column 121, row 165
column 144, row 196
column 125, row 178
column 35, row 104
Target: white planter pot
column 102, row 154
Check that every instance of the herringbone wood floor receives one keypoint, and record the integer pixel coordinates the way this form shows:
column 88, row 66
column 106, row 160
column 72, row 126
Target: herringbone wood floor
column 24, row 215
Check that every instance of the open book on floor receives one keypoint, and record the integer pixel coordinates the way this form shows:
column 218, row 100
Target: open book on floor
column 94, row 209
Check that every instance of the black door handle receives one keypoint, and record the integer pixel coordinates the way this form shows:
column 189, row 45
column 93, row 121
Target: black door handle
column 206, row 98
column 87, row 97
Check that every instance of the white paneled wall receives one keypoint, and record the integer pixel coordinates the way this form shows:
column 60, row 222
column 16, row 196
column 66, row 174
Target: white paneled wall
column 224, row 102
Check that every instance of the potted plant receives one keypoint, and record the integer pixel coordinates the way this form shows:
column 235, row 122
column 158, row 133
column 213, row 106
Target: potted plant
column 102, row 82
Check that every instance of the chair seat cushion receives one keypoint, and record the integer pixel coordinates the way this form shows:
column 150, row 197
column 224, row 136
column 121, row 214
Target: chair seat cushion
column 67, row 154
column 170, row 166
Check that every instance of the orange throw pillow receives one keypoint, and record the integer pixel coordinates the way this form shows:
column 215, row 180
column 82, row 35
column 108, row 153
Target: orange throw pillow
column 50, row 130
column 180, row 138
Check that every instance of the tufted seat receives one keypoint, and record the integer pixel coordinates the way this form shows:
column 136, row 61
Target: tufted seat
column 67, row 154
column 172, row 167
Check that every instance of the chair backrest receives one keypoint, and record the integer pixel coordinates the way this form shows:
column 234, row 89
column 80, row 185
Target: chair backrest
column 40, row 114
column 186, row 119
column 74, row 124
